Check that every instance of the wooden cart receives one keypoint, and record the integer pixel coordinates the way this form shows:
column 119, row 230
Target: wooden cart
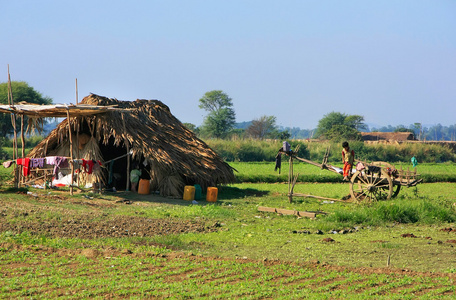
column 370, row 182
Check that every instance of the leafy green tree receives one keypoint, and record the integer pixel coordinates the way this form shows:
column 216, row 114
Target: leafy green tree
column 22, row 92
column 284, row 135
column 343, row 132
column 328, row 121
column 402, row 128
column 356, row 122
column 263, row 127
column 337, row 126
column 191, row 127
column 221, row 116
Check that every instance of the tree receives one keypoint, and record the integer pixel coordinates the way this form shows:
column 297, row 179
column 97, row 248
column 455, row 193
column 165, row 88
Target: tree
column 338, row 126
column 191, row 127
column 417, row 130
column 328, row 121
column 263, row 127
column 22, row 92
column 221, row 117
column 356, row 122
column 402, row 128
column 343, row 132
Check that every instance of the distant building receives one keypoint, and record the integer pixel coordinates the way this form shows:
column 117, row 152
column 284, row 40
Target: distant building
column 388, row 136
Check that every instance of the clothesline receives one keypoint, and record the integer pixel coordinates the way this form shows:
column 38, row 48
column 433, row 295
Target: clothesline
column 119, row 157
column 58, row 162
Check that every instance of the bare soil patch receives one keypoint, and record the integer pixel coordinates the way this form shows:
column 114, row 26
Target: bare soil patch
column 59, row 222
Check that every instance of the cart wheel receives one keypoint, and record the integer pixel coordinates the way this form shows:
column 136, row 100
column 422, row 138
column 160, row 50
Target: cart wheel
column 396, row 190
column 370, row 187
column 382, row 164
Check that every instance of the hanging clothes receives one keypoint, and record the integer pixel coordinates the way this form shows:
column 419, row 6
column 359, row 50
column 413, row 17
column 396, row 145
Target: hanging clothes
column 88, row 165
column 58, row 162
column 8, row 163
column 278, row 164
column 36, row 162
column 77, row 163
column 25, row 163
column 414, row 161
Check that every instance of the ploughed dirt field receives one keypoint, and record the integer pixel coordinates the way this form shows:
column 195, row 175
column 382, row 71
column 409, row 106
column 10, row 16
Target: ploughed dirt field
column 42, row 217
column 63, row 223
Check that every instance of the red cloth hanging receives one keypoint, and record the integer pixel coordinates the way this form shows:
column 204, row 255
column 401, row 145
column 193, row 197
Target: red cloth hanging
column 25, row 163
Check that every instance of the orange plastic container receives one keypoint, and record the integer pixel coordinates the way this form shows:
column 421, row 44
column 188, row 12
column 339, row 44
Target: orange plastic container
column 189, row 192
column 144, row 187
column 211, row 195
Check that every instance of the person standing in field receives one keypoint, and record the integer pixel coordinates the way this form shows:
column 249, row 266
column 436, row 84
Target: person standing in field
column 348, row 156
column 134, row 178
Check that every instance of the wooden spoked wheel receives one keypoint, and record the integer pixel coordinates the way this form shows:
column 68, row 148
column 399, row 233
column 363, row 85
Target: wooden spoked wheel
column 371, row 187
column 396, row 187
column 396, row 190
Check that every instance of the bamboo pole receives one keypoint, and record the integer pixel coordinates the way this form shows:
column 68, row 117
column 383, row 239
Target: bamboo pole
column 77, row 145
column 78, row 156
column 127, row 145
column 23, row 143
column 290, row 178
column 13, row 122
column 318, row 197
column 77, row 91
column 71, row 152
column 22, row 137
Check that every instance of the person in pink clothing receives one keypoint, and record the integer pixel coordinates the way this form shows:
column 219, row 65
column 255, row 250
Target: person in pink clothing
column 348, row 156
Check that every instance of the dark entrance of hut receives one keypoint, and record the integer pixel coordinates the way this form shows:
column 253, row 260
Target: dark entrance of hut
column 115, row 170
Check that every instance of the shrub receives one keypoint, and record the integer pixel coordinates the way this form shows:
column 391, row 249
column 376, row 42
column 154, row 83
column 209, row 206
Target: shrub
column 266, row 150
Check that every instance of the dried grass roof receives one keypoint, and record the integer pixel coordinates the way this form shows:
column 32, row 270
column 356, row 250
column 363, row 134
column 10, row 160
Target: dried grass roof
column 392, row 136
column 55, row 110
column 153, row 133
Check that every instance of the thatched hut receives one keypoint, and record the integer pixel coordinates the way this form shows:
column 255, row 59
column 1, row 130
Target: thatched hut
column 150, row 133
column 388, row 136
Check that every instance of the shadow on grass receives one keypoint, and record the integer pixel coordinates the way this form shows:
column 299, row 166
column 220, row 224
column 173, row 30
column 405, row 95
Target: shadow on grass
column 228, row 192
column 13, row 190
column 224, row 193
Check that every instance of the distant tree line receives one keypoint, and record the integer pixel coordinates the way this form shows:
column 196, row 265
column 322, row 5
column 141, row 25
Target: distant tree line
column 334, row 126
column 220, row 121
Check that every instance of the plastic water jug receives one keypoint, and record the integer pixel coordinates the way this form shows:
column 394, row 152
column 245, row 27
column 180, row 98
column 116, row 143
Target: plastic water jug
column 211, row 195
column 189, row 192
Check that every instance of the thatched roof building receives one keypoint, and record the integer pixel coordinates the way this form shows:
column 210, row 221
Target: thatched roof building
column 388, row 136
column 175, row 155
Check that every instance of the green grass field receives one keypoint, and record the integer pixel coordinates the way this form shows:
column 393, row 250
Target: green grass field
column 393, row 249
column 265, row 172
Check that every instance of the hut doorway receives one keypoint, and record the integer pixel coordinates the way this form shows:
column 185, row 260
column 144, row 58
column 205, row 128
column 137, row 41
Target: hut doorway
column 116, row 167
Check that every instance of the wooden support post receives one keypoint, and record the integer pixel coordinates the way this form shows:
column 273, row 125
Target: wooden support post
column 22, row 137
column 13, row 122
column 71, row 152
column 319, row 197
column 77, row 91
column 127, row 145
column 290, row 178
column 78, row 156
column 23, row 145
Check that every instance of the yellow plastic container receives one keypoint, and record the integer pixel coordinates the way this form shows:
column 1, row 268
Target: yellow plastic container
column 211, row 195
column 189, row 192
column 144, row 187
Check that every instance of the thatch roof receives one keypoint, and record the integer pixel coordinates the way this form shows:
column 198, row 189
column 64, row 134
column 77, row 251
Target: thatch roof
column 176, row 156
column 388, row 136
column 54, row 110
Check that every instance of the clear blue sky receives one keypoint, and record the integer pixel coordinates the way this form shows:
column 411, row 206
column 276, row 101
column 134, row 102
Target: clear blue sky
column 393, row 62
